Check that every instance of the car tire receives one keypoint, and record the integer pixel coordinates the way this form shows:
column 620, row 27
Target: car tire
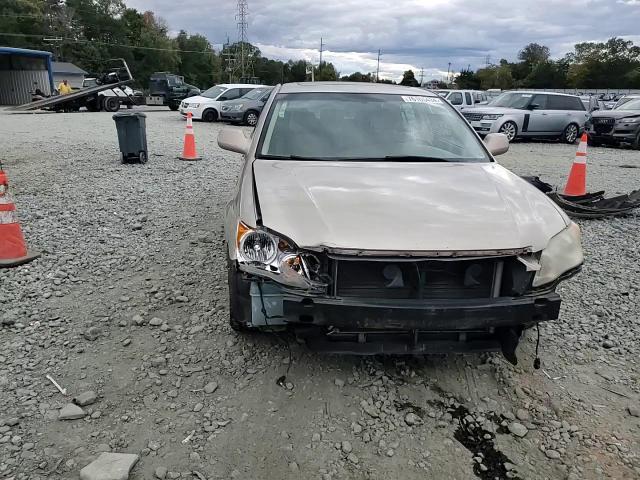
column 209, row 115
column 570, row 134
column 239, row 299
column 251, row 118
column 636, row 143
column 510, row 129
column 111, row 104
column 173, row 107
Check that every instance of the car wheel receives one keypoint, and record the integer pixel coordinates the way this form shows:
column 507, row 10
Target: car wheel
column 251, row 118
column 111, row 104
column 570, row 134
column 510, row 129
column 173, row 107
column 142, row 157
column 239, row 299
column 210, row 116
column 636, row 142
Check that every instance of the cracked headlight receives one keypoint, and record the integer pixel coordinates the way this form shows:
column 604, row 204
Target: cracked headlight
column 562, row 254
column 492, row 116
column 263, row 253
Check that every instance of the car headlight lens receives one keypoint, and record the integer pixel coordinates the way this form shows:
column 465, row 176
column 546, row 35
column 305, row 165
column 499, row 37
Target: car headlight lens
column 630, row 120
column 258, row 246
column 194, row 105
column 492, row 116
column 563, row 253
column 237, row 108
column 263, row 253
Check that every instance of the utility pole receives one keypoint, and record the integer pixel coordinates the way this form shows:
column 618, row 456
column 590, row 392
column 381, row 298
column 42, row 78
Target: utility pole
column 448, row 70
column 421, row 75
column 243, row 25
column 378, row 68
column 320, row 64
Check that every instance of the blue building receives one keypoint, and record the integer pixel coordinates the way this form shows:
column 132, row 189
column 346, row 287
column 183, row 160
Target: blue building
column 21, row 72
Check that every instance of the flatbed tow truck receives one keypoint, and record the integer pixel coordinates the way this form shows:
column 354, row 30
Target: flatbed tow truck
column 118, row 75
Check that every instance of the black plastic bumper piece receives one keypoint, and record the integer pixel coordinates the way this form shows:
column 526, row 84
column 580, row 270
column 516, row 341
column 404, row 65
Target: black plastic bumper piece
column 370, row 327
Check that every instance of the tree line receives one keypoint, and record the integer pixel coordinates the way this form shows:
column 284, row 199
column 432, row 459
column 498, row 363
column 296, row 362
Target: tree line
column 611, row 64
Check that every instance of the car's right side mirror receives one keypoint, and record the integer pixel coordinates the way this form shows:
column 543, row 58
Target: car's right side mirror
column 497, row 143
column 234, row 140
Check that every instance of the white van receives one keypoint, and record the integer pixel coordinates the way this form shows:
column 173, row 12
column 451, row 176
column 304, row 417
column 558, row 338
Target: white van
column 206, row 106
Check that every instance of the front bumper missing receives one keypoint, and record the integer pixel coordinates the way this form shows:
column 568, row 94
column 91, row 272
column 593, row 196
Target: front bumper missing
column 373, row 326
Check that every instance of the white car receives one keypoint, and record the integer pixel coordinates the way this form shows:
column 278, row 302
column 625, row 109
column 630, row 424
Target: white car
column 371, row 218
column 463, row 99
column 207, row 105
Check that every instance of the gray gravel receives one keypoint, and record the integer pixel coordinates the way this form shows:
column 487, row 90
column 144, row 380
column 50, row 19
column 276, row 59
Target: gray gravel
column 129, row 302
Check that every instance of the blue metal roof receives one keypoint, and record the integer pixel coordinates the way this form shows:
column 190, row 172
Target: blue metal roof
column 24, row 52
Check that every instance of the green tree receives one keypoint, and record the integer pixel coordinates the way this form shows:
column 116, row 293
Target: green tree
column 467, row 80
column 409, row 79
column 197, row 60
column 533, row 53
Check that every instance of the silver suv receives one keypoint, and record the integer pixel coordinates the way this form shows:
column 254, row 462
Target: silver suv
column 531, row 114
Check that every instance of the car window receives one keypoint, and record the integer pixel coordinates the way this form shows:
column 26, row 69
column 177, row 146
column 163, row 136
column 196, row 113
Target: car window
column 560, row 102
column 231, row 94
column 541, row 100
column 349, row 126
column 255, row 93
column 455, row 98
column 468, row 98
column 513, row 100
column 213, row 92
column 244, row 91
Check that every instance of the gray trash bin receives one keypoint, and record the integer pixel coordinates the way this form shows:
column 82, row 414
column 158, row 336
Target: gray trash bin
column 132, row 136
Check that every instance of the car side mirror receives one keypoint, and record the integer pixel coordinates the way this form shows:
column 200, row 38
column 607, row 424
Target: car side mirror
column 533, row 106
column 234, row 140
column 497, row 143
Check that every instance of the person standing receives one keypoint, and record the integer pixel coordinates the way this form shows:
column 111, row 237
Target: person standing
column 64, row 88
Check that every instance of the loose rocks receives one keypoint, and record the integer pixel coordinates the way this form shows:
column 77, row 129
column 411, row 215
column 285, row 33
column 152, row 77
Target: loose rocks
column 110, row 466
column 71, row 412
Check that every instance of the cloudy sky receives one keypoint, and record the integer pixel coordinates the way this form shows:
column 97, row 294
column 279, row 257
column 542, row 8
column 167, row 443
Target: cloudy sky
column 415, row 34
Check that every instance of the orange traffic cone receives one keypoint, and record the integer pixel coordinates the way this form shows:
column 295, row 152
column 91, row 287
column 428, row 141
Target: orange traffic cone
column 13, row 250
column 577, row 181
column 189, row 149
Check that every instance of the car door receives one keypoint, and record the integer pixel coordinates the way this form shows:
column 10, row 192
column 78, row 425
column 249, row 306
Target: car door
column 539, row 119
column 456, row 99
column 561, row 110
column 468, row 101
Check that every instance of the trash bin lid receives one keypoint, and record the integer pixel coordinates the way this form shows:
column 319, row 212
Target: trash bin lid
column 128, row 114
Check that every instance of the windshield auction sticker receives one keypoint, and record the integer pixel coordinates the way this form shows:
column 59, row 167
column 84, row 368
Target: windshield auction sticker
column 429, row 100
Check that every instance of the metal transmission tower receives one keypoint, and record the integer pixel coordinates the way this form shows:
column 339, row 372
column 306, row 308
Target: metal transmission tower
column 243, row 26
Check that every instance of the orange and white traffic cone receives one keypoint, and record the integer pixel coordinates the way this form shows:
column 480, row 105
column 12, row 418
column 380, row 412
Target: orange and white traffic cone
column 13, row 250
column 577, row 181
column 189, row 149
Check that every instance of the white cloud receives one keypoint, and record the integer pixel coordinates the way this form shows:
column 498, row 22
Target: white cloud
column 411, row 33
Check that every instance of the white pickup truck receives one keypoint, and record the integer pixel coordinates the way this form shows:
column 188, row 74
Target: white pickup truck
column 463, row 99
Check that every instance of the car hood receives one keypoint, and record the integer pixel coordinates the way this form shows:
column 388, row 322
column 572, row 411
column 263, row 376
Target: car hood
column 404, row 207
column 616, row 113
column 497, row 110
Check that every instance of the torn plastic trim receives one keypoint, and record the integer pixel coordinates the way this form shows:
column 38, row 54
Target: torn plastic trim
column 285, row 277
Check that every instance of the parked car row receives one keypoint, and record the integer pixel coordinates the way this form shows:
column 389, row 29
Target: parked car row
column 233, row 102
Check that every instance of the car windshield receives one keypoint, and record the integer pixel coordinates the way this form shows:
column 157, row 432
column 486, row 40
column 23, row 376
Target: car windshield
column 213, row 92
column 512, row 100
column 375, row 127
column 89, row 82
column 255, row 94
column 629, row 104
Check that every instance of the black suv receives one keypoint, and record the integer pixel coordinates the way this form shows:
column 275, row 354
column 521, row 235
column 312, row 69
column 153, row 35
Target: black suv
column 620, row 125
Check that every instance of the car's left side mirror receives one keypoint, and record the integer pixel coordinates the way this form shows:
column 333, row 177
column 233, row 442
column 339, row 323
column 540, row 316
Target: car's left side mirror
column 497, row 143
column 234, row 140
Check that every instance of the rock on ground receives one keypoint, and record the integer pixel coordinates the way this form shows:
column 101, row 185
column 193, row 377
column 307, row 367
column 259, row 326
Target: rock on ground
column 110, row 466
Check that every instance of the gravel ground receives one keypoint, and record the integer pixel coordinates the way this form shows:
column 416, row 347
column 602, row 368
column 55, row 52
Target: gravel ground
column 129, row 301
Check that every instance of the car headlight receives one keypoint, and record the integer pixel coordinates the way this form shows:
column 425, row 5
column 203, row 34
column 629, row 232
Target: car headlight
column 194, row 105
column 263, row 253
column 562, row 254
column 236, row 108
column 492, row 116
column 630, row 120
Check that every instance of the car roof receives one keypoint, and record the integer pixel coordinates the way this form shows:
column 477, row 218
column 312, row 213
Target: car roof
column 239, row 85
column 354, row 87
